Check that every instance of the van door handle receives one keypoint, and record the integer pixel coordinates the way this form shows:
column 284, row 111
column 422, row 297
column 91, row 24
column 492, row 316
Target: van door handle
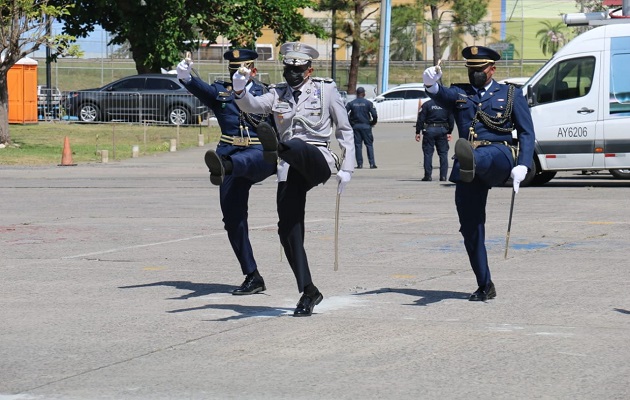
column 585, row 110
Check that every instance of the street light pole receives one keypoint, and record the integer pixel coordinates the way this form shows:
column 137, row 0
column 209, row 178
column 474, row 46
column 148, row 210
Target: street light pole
column 333, row 75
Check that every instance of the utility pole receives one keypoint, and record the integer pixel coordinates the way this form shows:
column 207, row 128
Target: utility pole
column 48, row 108
column 333, row 75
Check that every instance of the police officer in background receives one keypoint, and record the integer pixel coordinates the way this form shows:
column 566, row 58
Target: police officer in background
column 486, row 113
column 305, row 109
column 238, row 161
column 434, row 127
column 363, row 117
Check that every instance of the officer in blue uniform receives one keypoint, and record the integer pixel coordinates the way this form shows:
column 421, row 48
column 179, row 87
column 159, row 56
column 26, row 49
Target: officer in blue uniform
column 363, row 117
column 238, row 161
column 434, row 127
column 306, row 111
column 486, row 113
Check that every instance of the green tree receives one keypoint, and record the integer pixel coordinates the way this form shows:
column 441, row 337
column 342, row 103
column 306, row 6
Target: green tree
column 434, row 24
column 404, row 41
column 552, row 37
column 347, row 27
column 159, row 31
column 467, row 17
column 23, row 30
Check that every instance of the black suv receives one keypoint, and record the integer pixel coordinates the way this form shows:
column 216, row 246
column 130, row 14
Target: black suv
column 141, row 98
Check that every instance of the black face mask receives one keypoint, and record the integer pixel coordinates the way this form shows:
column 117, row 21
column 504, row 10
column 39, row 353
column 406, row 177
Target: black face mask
column 294, row 78
column 477, row 78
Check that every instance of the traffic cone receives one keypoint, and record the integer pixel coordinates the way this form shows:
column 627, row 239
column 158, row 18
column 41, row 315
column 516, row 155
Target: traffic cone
column 66, row 155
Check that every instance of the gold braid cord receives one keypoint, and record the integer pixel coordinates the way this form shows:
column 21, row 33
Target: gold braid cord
column 494, row 122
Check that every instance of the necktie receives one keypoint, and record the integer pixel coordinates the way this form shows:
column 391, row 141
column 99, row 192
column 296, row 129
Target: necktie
column 296, row 95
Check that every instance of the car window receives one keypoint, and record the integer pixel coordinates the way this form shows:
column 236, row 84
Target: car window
column 161, row 84
column 132, row 84
column 415, row 94
column 400, row 94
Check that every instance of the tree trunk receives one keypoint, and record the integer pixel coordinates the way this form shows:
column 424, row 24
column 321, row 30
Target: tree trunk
column 5, row 138
column 436, row 35
column 359, row 7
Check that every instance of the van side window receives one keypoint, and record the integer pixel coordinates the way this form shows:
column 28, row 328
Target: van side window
column 620, row 81
column 568, row 79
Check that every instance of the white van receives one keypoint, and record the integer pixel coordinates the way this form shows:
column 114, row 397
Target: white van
column 580, row 105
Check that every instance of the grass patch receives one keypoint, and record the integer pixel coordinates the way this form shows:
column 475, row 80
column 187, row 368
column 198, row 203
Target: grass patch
column 42, row 143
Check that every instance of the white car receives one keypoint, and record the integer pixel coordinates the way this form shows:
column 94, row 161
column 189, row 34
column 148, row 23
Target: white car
column 400, row 103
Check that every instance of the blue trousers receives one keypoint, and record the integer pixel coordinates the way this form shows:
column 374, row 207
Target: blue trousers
column 435, row 138
column 363, row 134
column 249, row 167
column 493, row 166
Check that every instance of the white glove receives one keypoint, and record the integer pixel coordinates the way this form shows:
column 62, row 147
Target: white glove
column 183, row 70
column 240, row 79
column 518, row 174
column 431, row 75
column 343, row 177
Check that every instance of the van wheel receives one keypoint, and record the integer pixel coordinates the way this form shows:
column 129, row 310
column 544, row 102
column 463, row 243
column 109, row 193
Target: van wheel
column 620, row 173
column 529, row 178
column 543, row 177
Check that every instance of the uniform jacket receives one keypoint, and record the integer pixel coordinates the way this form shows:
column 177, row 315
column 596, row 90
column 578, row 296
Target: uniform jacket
column 463, row 101
column 320, row 104
column 220, row 100
column 361, row 113
column 431, row 113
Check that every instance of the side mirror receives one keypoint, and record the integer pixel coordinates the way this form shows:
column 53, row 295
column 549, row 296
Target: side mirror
column 530, row 95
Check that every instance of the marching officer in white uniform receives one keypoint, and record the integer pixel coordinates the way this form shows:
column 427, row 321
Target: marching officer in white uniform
column 305, row 110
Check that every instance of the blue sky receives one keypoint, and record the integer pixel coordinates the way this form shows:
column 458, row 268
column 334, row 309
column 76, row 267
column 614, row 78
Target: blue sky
column 94, row 45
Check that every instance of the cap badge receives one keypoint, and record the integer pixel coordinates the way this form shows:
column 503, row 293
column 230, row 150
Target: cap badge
column 236, row 54
column 474, row 50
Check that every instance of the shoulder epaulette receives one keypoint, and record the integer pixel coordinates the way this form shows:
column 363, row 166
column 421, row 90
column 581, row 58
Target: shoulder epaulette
column 260, row 83
column 278, row 85
column 464, row 86
column 325, row 80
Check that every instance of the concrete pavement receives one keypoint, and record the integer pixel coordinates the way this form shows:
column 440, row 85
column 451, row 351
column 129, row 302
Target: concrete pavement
column 117, row 279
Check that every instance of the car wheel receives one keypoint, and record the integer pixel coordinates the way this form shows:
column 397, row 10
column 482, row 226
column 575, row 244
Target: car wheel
column 88, row 113
column 179, row 115
column 620, row 173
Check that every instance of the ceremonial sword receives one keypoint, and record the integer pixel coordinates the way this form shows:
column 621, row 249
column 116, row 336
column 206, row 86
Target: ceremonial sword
column 507, row 235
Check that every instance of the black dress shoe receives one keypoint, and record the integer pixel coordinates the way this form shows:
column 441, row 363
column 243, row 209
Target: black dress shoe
column 482, row 294
column 466, row 157
column 269, row 140
column 442, row 179
column 251, row 285
column 215, row 165
column 373, row 166
column 306, row 304
column 359, row 166
column 427, row 179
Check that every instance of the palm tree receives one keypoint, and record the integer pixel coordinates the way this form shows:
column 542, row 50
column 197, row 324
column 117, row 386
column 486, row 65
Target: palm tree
column 552, row 37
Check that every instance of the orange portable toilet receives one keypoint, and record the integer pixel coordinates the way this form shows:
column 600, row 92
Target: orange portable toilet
column 22, row 84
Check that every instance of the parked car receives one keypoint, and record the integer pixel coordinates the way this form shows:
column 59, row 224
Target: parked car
column 48, row 102
column 400, row 103
column 147, row 97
